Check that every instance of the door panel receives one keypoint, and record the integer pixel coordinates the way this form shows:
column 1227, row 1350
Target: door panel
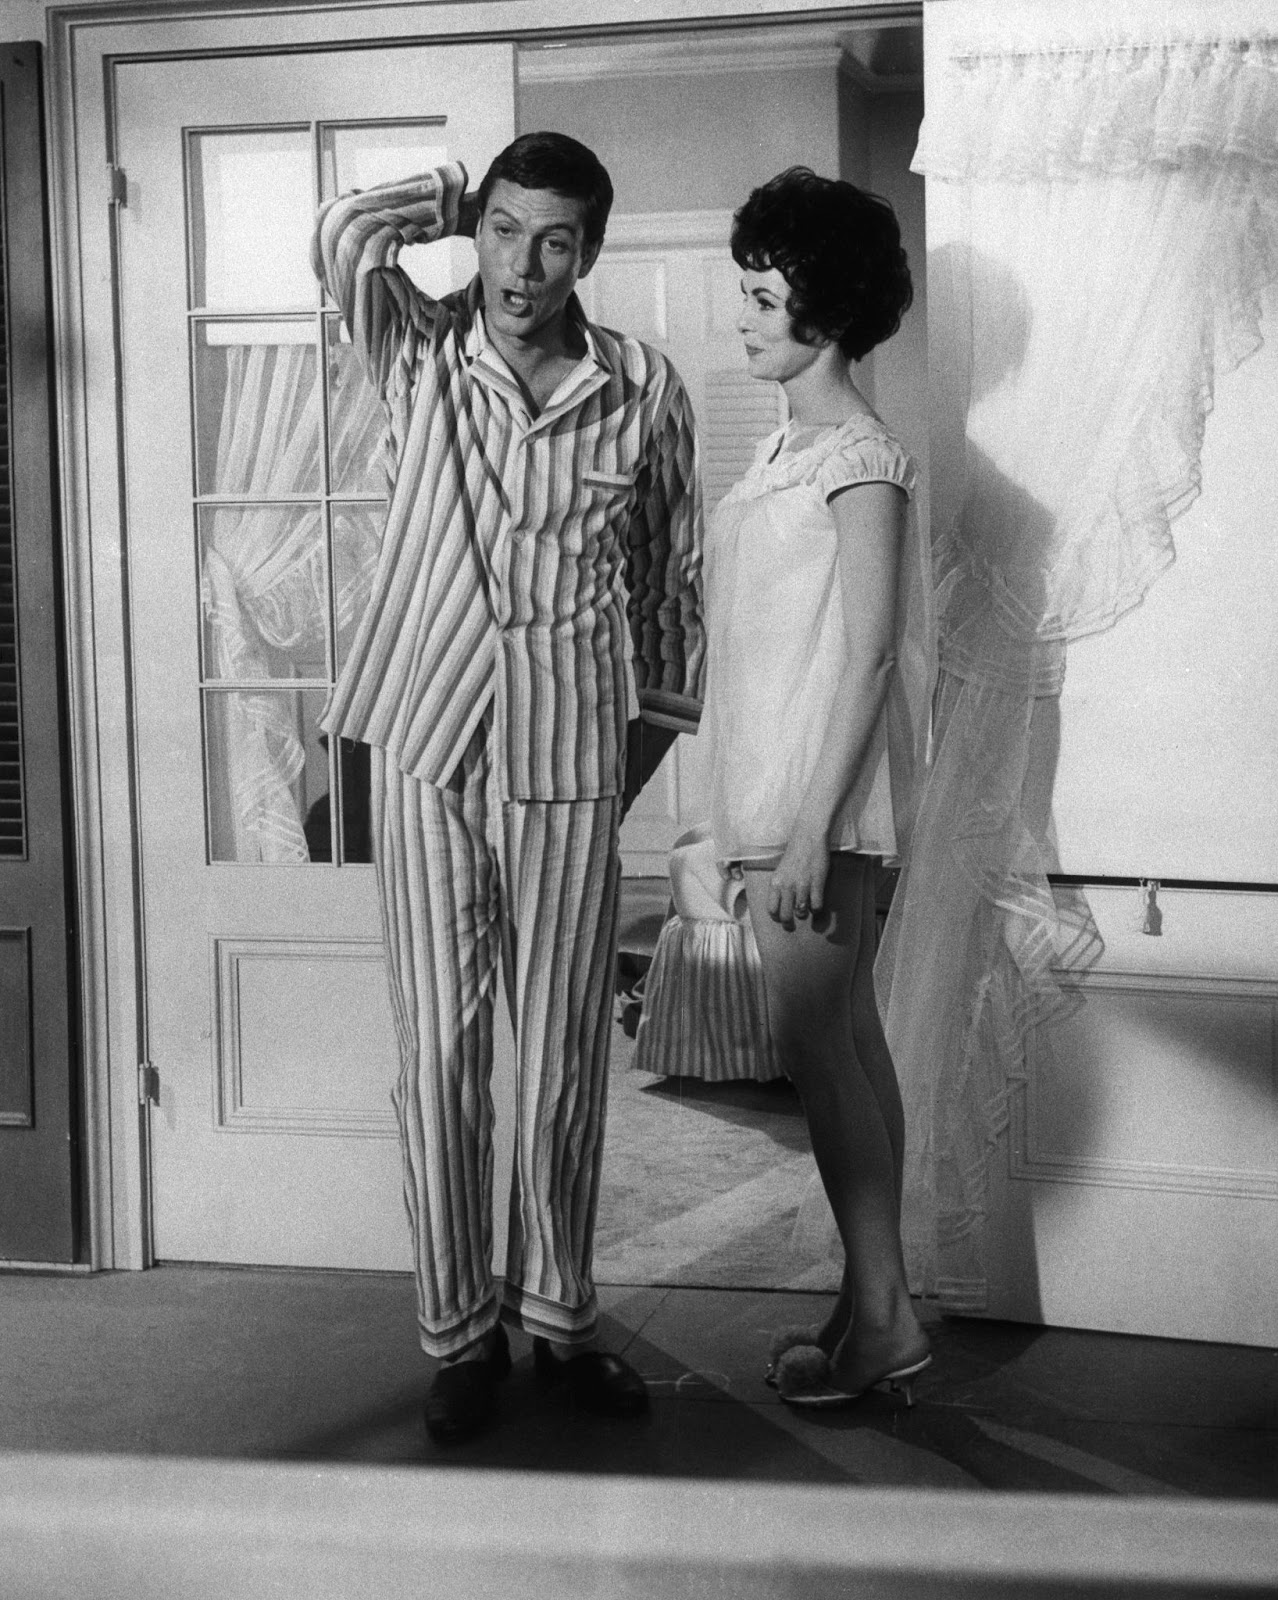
column 682, row 296
column 38, row 1134
column 255, row 505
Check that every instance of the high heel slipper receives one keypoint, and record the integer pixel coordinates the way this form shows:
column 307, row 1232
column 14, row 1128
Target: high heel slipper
column 803, row 1379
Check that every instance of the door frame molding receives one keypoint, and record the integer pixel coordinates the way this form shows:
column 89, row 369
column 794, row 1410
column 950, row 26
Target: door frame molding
column 86, row 45
column 638, row 236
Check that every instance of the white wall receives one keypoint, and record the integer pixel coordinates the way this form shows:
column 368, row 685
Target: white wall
column 685, row 143
column 1168, row 761
column 900, row 366
column 854, row 133
column 22, row 20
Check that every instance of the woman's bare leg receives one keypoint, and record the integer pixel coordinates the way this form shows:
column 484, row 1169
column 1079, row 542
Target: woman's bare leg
column 876, row 1059
column 810, row 972
column 870, row 1040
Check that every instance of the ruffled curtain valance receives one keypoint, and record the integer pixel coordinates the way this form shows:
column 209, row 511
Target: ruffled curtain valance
column 1103, row 223
column 1122, row 222
column 1107, row 108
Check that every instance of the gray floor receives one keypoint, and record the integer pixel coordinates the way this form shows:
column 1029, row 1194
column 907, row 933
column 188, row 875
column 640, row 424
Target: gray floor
column 251, row 1363
column 288, row 1364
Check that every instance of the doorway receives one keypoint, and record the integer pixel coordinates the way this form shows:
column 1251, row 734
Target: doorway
column 1060, row 1200
column 254, row 507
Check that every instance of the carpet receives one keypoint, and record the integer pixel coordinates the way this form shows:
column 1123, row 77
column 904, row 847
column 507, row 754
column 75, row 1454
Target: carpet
column 703, row 1184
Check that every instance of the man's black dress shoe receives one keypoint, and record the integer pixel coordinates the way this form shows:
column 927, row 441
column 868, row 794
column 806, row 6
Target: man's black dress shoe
column 597, row 1380
column 463, row 1396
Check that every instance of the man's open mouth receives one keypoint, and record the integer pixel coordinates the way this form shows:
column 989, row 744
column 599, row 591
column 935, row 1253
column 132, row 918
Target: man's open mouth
column 516, row 302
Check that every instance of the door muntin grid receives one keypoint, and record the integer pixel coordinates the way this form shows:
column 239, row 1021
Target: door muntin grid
column 289, row 481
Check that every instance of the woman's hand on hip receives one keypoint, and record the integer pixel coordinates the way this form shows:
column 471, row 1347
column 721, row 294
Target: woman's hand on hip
column 798, row 883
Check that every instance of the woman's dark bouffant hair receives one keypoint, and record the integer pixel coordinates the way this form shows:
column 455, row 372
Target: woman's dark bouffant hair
column 839, row 249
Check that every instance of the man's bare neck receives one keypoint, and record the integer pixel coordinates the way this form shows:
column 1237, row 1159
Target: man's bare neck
column 544, row 361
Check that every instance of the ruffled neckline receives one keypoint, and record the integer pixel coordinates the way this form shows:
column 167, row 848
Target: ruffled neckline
column 775, row 467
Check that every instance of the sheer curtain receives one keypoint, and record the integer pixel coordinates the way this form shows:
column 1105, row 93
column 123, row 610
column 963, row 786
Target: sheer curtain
column 1105, row 188
column 264, row 579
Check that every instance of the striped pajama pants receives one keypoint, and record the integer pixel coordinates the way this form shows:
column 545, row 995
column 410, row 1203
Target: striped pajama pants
column 465, row 878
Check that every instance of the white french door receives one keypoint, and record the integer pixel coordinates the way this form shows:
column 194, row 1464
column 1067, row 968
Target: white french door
column 670, row 280
column 255, row 503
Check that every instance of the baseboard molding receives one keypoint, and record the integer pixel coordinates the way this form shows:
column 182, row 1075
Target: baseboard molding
column 46, row 1266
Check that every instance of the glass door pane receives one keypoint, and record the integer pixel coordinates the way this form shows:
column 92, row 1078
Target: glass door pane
column 251, row 199
column 360, row 155
column 284, row 421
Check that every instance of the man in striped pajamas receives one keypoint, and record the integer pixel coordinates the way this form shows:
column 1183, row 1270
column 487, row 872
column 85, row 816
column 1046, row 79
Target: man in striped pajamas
column 532, row 644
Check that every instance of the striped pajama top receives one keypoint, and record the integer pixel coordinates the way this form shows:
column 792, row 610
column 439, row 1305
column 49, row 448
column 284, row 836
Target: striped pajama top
column 548, row 564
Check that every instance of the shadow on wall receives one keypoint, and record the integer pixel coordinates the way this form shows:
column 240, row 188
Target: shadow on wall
column 978, row 931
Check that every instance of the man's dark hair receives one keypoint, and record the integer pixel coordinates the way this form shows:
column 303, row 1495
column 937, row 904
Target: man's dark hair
column 554, row 161
column 839, row 249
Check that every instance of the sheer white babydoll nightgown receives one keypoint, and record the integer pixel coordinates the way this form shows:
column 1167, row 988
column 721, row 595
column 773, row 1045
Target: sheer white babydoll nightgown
column 778, row 644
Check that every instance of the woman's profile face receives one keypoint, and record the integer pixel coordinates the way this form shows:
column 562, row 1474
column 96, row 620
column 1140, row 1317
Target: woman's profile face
column 772, row 351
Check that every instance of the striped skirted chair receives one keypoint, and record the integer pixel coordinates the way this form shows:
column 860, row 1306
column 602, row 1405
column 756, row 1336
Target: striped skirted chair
column 705, row 1013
